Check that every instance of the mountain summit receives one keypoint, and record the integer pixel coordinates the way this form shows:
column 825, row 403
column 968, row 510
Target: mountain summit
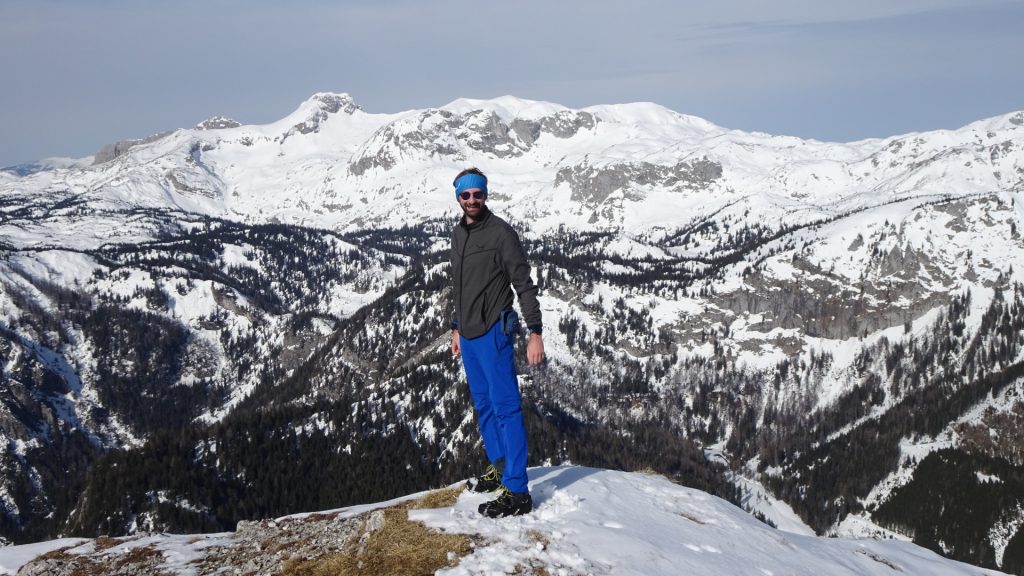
column 586, row 521
column 630, row 167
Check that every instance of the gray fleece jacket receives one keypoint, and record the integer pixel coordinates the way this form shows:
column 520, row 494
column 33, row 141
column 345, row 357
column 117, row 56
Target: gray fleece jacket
column 487, row 262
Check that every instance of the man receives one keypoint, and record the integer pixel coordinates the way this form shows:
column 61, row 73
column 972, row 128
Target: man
column 487, row 262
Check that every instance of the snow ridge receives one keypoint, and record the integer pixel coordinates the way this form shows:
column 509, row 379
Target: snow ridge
column 587, row 521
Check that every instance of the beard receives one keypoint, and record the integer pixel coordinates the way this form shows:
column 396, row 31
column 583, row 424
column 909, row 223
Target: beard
column 473, row 209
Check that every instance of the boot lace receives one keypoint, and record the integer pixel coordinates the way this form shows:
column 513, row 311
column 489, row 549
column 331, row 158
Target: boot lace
column 491, row 473
column 503, row 493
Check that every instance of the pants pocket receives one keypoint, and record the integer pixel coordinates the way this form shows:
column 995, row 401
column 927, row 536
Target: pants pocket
column 509, row 322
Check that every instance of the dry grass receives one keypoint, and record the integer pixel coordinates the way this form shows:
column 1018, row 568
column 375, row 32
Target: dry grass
column 692, row 518
column 539, row 538
column 315, row 517
column 84, row 565
column 530, row 570
column 73, row 563
column 443, row 498
column 105, row 542
column 58, row 554
column 399, row 547
column 138, row 555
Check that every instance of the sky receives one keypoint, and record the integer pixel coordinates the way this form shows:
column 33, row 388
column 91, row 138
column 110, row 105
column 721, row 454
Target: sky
column 78, row 74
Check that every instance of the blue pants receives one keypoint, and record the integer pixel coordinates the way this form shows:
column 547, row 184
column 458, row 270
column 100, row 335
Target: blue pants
column 491, row 372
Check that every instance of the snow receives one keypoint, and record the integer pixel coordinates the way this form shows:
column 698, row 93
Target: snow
column 350, row 511
column 237, row 256
column 14, row 557
column 859, row 527
column 913, row 451
column 986, row 478
column 756, row 498
column 507, row 107
column 593, row 521
column 265, row 172
column 590, row 521
column 1003, row 531
column 58, row 266
column 273, row 172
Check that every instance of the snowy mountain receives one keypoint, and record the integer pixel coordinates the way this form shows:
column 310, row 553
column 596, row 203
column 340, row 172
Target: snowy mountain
column 586, row 521
column 832, row 329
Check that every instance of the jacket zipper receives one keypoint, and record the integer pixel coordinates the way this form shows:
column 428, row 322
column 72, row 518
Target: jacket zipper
column 462, row 264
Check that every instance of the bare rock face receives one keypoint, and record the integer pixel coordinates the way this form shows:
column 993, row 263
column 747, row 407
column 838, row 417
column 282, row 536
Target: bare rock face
column 334, row 103
column 264, row 547
column 567, row 123
column 325, row 105
column 485, row 132
column 564, row 124
column 527, row 131
column 444, row 133
column 111, row 151
column 823, row 305
column 218, row 123
column 362, row 164
column 429, row 131
column 1000, row 433
column 16, row 396
column 194, row 178
column 591, row 185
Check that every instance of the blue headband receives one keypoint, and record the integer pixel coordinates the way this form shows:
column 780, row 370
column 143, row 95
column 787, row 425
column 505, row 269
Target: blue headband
column 470, row 181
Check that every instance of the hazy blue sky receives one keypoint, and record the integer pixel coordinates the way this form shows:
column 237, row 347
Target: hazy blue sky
column 77, row 74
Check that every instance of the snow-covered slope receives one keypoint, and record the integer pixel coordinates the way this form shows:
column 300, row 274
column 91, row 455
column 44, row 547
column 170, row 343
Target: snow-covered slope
column 778, row 298
column 633, row 167
column 604, row 522
column 585, row 521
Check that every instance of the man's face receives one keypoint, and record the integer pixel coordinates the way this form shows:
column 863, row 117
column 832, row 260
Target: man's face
column 472, row 202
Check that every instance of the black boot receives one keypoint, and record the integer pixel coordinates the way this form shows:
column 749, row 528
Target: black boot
column 507, row 504
column 489, row 481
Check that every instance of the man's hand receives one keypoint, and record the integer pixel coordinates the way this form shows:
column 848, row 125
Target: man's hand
column 456, row 349
column 535, row 350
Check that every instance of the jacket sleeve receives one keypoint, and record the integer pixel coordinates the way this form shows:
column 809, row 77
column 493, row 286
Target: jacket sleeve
column 517, row 270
